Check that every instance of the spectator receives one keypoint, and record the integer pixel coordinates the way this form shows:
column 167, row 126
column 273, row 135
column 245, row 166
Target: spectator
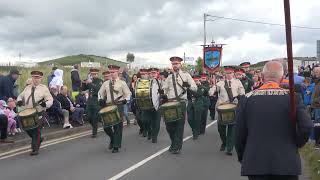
column 125, row 75
column 55, row 112
column 57, row 81
column 257, row 82
column 7, row 85
column 315, row 105
column 133, row 82
column 11, row 127
column 81, row 100
column 3, row 128
column 12, row 107
column 125, row 106
column 75, row 78
column 307, row 90
column 67, row 104
column 51, row 75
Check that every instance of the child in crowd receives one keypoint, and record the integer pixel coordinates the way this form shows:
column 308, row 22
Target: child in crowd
column 11, row 122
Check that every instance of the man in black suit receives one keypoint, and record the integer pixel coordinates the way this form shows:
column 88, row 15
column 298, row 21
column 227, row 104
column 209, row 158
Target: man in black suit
column 267, row 139
column 67, row 104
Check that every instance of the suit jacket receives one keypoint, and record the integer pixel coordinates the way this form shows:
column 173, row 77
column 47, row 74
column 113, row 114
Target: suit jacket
column 65, row 104
column 267, row 141
column 75, row 80
column 7, row 87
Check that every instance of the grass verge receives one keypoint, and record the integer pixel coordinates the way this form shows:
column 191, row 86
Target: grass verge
column 311, row 157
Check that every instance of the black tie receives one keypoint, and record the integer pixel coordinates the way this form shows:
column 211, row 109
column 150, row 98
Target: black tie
column 32, row 96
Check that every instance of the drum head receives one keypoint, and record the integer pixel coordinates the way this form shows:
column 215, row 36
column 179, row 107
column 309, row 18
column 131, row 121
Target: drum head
column 168, row 104
column 107, row 109
column 155, row 94
column 27, row 112
column 227, row 106
column 143, row 84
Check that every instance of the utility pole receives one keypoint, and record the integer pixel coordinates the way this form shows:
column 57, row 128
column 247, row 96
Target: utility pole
column 204, row 29
column 184, row 57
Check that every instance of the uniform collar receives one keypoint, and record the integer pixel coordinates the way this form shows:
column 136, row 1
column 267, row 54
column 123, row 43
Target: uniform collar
column 270, row 85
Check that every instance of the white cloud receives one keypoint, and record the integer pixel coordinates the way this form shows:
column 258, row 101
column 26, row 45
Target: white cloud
column 152, row 30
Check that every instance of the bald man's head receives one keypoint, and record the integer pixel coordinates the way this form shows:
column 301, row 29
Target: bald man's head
column 272, row 71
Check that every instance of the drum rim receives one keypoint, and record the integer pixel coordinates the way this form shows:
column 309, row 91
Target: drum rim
column 173, row 102
column 115, row 107
column 233, row 104
column 33, row 110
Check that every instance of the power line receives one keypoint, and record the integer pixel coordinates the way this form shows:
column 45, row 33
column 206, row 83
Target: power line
column 258, row 22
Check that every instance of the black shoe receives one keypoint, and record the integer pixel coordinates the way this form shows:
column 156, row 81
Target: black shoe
column 110, row 146
column 144, row 134
column 154, row 140
column 34, row 153
column 93, row 135
column 140, row 131
column 115, row 150
column 229, row 153
column 223, row 147
column 176, row 151
column 149, row 137
column 195, row 137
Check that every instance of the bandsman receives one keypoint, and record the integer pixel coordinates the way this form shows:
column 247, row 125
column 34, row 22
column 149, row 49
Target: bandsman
column 194, row 107
column 175, row 89
column 106, row 75
column 205, row 87
column 114, row 92
column 246, row 82
column 229, row 91
column 37, row 96
column 151, row 118
column 246, row 67
column 93, row 85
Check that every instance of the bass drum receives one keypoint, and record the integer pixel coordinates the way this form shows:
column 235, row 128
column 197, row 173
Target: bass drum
column 146, row 94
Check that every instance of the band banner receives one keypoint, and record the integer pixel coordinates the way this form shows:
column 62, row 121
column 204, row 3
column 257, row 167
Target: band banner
column 212, row 58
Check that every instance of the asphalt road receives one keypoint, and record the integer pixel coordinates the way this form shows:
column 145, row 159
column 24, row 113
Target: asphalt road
column 88, row 159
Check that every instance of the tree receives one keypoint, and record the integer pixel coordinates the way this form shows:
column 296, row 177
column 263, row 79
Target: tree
column 130, row 58
column 199, row 65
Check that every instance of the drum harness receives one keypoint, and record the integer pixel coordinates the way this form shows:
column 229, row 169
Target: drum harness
column 175, row 83
column 112, row 90
column 34, row 103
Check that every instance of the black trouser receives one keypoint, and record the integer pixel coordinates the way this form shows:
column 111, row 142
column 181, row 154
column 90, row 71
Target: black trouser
column 203, row 121
column 3, row 126
column 212, row 108
column 272, row 177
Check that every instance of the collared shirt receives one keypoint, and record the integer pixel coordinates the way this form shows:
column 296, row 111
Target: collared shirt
column 41, row 92
column 121, row 91
column 236, row 88
column 180, row 77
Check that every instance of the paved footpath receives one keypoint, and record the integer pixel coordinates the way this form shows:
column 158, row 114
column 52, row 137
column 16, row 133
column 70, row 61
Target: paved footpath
column 83, row 158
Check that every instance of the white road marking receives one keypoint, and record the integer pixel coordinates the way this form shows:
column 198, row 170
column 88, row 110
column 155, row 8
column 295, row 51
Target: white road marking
column 135, row 166
column 26, row 149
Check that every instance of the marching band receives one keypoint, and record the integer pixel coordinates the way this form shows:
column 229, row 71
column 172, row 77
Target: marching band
column 173, row 97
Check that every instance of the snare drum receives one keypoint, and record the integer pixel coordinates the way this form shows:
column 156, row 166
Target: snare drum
column 172, row 111
column 110, row 116
column 29, row 119
column 227, row 113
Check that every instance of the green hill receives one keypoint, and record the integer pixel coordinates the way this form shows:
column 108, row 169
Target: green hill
column 77, row 59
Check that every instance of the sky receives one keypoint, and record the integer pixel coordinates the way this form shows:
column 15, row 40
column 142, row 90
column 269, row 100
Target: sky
column 152, row 30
